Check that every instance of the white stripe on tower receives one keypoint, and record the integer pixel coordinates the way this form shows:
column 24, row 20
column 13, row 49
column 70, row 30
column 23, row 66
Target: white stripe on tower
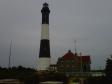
column 45, row 31
column 44, row 54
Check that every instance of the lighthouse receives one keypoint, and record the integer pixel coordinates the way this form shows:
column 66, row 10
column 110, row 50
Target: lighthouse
column 44, row 53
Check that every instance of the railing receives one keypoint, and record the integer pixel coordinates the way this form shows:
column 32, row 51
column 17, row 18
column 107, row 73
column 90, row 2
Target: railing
column 78, row 74
column 83, row 74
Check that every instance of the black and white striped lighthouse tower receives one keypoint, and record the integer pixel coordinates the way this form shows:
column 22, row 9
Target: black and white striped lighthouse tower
column 44, row 54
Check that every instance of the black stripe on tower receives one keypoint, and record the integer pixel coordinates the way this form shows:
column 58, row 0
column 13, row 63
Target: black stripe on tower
column 44, row 48
column 45, row 14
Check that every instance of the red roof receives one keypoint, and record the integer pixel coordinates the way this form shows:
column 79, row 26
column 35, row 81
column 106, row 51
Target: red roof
column 69, row 56
column 86, row 59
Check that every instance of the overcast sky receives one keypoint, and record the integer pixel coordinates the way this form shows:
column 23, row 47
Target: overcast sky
column 87, row 21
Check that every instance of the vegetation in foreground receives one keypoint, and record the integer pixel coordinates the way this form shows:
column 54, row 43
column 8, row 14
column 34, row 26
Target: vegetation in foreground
column 23, row 74
column 30, row 76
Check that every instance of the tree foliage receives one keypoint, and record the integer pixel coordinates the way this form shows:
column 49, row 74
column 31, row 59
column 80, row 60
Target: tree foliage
column 108, row 68
column 23, row 74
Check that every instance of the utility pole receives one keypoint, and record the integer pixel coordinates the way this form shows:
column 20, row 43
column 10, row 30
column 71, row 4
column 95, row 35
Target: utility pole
column 9, row 65
column 81, row 63
column 75, row 46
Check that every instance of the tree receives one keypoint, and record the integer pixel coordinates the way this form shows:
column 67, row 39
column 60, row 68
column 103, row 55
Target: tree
column 108, row 68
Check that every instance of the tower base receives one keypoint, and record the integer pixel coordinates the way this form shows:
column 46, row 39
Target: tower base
column 43, row 64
